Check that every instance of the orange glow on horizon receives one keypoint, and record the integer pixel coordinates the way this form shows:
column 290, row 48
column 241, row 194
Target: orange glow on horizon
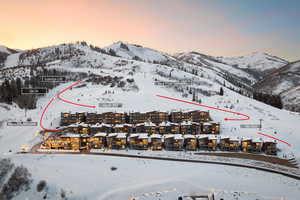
column 175, row 27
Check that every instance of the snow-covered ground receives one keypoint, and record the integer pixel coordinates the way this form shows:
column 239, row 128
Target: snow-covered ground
column 91, row 177
column 131, row 51
column 256, row 60
column 139, row 177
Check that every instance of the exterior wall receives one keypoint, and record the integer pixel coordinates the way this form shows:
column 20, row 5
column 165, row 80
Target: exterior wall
column 206, row 129
column 190, row 144
column 215, row 128
column 136, row 118
column 212, row 144
column 203, row 143
column 270, row 148
column 199, row 116
column 247, row 146
column 140, row 144
column 119, row 143
column 173, row 145
column 157, row 117
column 156, row 144
column 176, row 117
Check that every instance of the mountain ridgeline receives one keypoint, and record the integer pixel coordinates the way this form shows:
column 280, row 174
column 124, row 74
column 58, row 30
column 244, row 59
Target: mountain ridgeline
column 261, row 76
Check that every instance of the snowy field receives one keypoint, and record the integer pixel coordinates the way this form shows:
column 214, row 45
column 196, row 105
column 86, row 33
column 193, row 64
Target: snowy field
column 91, row 177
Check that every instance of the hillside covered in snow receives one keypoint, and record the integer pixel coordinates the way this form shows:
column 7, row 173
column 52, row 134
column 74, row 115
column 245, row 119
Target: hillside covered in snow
column 130, row 74
column 285, row 82
column 262, row 63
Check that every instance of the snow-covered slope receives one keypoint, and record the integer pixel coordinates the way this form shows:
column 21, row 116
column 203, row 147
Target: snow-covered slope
column 137, row 52
column 284, row 81
column 260, row 62
column 4, row 53
column 135, row 178
column 225, row 70
column 4, row 49
column 141, row 178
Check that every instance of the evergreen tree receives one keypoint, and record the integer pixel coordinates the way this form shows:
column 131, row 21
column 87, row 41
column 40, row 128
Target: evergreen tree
column 19, row 85
column 194, row 96
column 221, row 91
column 112, row 52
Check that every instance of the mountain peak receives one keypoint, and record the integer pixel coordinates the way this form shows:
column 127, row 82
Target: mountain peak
column 137, row 52
column 259, row 61
column 4, row 49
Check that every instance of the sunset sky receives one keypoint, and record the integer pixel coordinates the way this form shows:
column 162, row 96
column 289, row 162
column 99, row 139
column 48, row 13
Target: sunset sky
column 215, row 27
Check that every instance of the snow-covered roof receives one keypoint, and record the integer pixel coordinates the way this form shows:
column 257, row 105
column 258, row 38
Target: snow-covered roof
column 96, row 125
column 128, row 125
column 100, row 134
column 207, row 124
column 224, row 137
column 175, row 136
column 178, row 137
column 257, row 140
column 246, row 138
column 155, row 136
column 70, row 135
column 133, row 135
column 149, row 124
column 186, row 123
column 188, row 136
column 107, row 125
column 212, row 137
column 169, row 136
column 165, row 124
column 270, row 140
column 100, row 125
column 83, row 124
column 235, row 138
column 202, row 136
column 119, row 125
column 112, row 134
column 143, row 136
column 121, row 135
column 73, row 125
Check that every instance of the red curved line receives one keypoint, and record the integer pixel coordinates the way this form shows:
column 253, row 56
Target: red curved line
column 266, row 135
column 41, row 119
column 210, row 107
column 66, row 101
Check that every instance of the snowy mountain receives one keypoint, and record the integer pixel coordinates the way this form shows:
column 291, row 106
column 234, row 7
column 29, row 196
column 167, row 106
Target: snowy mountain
column 190, row 75
column 260, row 63
column 206, row 61
column 284, row 81
column 137, row 52
column 4, row 53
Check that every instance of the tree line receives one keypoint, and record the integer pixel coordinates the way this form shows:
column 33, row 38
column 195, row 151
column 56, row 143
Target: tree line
column 10, row 89
column 273, row 100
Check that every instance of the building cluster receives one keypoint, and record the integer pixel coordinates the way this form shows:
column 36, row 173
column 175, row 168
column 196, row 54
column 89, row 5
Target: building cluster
column 152, row 130
column 194, row 122
column 134, row 117
column 172, row 142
